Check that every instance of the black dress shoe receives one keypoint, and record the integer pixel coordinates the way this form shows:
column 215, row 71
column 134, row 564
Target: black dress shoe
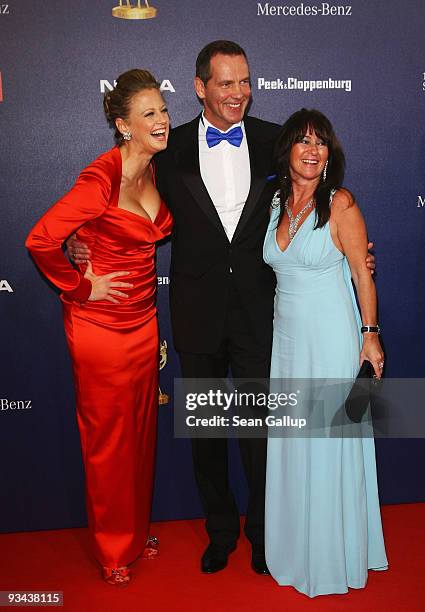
column 258, row 564
column 214, row 558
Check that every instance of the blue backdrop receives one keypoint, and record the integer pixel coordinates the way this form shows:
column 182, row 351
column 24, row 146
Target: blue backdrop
column 366, row 65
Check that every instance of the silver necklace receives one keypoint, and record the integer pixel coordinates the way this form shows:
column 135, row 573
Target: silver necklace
column 295, row 221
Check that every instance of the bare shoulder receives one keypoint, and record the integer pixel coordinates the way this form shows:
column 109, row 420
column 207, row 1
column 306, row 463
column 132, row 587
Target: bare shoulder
column 343, row 200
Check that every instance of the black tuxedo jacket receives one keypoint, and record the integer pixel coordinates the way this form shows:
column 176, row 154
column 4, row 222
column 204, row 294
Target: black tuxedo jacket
column 203, row 261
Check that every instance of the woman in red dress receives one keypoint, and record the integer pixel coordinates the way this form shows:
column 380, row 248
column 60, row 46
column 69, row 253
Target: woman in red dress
column 110, row 317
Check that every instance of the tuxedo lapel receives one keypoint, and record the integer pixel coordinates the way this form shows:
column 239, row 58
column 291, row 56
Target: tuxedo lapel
column 187, row 160
column 259, row 168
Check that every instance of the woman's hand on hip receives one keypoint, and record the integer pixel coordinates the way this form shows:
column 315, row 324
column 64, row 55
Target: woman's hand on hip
column 104, row 287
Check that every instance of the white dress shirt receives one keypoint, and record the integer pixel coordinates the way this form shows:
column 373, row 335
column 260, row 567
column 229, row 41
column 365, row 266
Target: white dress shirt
column 226, row 173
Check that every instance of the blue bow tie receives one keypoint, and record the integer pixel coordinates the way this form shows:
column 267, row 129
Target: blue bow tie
column 234, row 137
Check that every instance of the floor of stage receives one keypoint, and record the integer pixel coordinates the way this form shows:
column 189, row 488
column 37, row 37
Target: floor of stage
column 59, row 560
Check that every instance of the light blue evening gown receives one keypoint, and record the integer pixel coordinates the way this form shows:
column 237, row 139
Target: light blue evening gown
column 323, row 524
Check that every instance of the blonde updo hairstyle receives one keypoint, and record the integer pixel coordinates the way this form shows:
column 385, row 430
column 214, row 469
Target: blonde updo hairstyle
column 116, row 103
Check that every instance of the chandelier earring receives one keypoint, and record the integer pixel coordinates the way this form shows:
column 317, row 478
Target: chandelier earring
column 325, row 170
column 126, row 135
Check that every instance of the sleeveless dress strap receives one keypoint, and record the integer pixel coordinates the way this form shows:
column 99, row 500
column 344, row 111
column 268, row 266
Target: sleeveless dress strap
column 275, row 207
column 275, row 203
column 331, row 196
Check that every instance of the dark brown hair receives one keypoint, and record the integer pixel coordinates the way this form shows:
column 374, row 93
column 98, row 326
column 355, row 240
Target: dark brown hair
column 293, row 131
column 116, row 103
column 203, row 61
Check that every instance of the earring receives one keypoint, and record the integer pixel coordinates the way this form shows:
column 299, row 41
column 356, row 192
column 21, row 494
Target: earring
column 325, row 172
column 126, row 135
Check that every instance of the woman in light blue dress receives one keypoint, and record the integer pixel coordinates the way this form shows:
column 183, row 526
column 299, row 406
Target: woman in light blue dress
column 323, row 523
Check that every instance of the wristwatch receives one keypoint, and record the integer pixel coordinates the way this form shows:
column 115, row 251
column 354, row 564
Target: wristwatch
column 371, row 328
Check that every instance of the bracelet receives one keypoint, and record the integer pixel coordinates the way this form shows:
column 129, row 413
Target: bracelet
column 371, row 328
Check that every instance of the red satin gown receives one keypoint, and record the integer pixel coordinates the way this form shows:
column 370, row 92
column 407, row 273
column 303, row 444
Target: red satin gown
column 114, row 350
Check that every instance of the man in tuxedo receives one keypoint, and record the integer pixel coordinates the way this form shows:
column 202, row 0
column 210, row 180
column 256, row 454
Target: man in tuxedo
column 217, row 178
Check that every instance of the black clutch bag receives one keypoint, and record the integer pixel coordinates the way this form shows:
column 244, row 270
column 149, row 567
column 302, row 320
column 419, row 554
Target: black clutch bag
column 365, row 387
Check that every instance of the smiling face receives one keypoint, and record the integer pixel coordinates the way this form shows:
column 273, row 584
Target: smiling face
column 226, row 94
column 308, row 157
column 147, row 121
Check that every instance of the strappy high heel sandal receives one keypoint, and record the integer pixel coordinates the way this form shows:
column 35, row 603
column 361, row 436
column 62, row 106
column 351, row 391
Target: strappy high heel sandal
column 151, row 549
column 117, row 576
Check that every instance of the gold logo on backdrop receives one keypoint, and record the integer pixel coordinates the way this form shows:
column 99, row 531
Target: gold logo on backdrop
column 130, row 11
column 163, row 397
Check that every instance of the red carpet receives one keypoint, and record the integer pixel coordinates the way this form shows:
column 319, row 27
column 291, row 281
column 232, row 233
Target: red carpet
column 58, row 560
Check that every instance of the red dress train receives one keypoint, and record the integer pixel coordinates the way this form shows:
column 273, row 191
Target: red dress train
column 114, row 350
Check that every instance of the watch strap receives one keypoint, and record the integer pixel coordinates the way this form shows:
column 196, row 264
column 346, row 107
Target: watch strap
column 370, row 328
